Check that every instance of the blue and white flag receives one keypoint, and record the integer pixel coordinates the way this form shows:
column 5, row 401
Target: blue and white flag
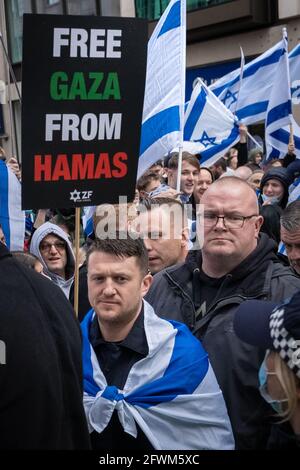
column 294, row 61
column 209, row 125
column 295, row 192
column 87, row 220
column 279, row 111
column 162, row 126
column 254, row 92
column 172, row 393
column 281, row 137
column 12, row 218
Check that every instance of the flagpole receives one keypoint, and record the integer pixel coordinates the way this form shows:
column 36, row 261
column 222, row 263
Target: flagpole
column 253, row 140
column 183, row 72
column 241, row 78
column 76, row 276
column 291, row 139
column 179, row 169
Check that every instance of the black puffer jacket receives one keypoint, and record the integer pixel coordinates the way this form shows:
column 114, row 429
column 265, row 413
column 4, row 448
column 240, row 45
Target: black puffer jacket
column 236, row 364
column 41, row 379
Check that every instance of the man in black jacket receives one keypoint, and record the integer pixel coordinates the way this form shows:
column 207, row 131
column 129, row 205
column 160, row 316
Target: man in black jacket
column 40, row 365
column 235, row 264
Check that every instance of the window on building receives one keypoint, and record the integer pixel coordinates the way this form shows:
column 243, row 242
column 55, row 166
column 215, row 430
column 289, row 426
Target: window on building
column 153, row 9
column 51, row 7
column 15, row 10
column 78, row 7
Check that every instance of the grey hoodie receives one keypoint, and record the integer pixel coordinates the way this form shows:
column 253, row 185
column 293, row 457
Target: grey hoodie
column 47, row 229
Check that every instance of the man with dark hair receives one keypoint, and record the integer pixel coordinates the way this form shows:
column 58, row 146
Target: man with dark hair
column 219, row 168
column 162, row 223
column 41, row 376
column 290, row 234
column 235, row 263
column 189, row 173
column 147, row 381
column 147, row 183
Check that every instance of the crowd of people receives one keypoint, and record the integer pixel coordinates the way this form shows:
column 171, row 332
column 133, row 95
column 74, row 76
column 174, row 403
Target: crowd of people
column 189, row 312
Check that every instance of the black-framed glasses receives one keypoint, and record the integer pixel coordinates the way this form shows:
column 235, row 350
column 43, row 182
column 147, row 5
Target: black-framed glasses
column 59, row 246
column 230, row 221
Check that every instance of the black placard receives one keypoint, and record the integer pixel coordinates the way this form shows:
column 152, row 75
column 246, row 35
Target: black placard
column 83, row 81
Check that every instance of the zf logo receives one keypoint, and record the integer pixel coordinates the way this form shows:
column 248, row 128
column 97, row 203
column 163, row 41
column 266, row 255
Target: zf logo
column 80, row 195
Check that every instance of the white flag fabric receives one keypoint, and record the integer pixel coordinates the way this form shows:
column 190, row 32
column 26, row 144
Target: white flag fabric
column 87, row 220
column 295, row 192
column 210, row 126
column 12, row 218
column 279, row 111
column 281, row 137
column 293, row 196
column 2, row 92
column 172, row 393
column 254, row 91
column 162, row 126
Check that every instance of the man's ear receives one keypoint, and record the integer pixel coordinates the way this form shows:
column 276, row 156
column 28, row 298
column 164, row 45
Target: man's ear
column 172, row 177
column 258, row 223
column 146, row 283
column 185, row 236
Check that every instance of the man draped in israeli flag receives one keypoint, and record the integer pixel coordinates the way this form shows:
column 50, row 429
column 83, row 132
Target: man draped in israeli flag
column 162, row 126
column 249, row 99
column 210, row 126
column 279, row 112
column 12, row 218
column 159, row 384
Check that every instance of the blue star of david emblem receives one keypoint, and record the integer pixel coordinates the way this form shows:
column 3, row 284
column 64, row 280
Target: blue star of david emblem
column 229, row 95
column 206, row 140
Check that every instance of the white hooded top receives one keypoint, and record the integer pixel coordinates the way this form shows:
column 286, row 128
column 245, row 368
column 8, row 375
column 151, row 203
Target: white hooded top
column 46, row 229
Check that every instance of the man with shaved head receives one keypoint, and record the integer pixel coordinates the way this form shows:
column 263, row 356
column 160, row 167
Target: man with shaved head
column 236, row 263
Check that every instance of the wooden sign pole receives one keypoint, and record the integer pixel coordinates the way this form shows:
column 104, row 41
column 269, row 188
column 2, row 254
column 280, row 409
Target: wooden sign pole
column 77, row 242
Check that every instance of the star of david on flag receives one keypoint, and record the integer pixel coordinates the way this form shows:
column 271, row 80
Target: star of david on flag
column 209, row 126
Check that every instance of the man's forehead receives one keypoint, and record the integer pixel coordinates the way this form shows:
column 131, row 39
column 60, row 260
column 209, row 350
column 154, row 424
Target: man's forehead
column 51, row 237
column 188, row 166
column 229, row 194
column 158, row 217
column 290, row 236
column 100, row 261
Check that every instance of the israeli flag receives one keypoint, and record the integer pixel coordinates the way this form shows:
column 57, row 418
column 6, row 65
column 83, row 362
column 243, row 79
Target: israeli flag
column 279, row 112
column 294, row 61
column 281, row 137
column 249, row 99
column 172, row 393
column 12, row 218
column 295, row 192
column 294, row 196
column 210, row 126
column 87, row 220
column 162, row 126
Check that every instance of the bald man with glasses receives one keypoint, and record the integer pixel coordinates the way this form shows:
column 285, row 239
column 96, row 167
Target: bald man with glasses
column 236, row 263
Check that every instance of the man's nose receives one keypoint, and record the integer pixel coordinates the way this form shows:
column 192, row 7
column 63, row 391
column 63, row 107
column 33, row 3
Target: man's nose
column 220, row 224
column 109, row 289
column 53, row 249
column 147, row 243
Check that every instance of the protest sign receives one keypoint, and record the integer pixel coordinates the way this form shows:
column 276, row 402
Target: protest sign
column 83, row 82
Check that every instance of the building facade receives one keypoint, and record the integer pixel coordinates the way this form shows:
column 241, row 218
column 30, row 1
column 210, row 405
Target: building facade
column 216, row 29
